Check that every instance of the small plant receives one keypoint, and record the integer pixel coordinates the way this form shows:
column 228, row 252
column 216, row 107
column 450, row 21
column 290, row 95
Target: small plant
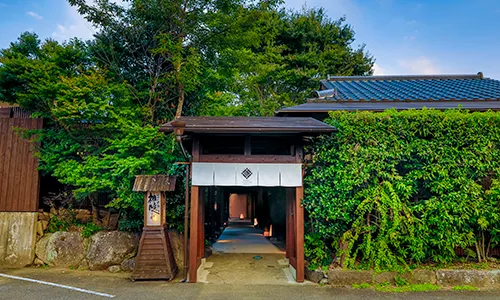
column 464, row 288
column 426, row 287
column 89, row 229
column 362, row 286
column 131, row 225
column 58, row 223
column 400, row 281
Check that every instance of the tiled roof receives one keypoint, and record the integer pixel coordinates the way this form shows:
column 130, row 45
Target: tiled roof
column 401, row 88
column 403, row 92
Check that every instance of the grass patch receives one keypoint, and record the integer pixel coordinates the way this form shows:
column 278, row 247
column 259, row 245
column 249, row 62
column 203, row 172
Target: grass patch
column 426, row 287
column 464, row 288
column 362, row 286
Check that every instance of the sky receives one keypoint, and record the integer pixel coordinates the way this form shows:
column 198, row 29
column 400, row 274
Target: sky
column 405, row 37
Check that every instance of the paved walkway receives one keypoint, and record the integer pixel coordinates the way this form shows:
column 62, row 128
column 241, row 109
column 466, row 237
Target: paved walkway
column 244, row 238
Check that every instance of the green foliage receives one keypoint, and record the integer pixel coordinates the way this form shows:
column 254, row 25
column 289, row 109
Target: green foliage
column 400, row 281
column 464, row 288
column 316, row 252
column 59, row 223
column 406, row 187
column 89, row 229
column 131, row 225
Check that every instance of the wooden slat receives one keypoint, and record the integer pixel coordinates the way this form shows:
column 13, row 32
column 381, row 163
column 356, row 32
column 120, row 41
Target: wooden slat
column 12, row 167
column 19, row 182
column 4, row 132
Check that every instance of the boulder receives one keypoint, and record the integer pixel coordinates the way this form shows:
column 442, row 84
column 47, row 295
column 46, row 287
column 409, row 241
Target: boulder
column 177, row 243
column 110, row 248
column 128, row 265
column 61, row 249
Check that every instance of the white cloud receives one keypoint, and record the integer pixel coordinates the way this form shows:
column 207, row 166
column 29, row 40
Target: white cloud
column 74, row 26
column 34, row 15
column 420, row 65
column 378, row 70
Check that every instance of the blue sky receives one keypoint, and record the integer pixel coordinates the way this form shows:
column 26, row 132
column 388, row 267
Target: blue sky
column 406, row 37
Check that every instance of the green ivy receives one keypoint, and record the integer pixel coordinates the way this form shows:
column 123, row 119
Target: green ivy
column 406, row 187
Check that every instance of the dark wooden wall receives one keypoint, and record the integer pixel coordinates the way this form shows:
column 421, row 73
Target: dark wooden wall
column 19, row 182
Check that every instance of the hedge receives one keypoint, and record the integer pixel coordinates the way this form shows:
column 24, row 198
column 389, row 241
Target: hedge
column 394, row 189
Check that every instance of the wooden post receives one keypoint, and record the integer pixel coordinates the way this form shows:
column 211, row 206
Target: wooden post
column 299, row 234
column 193, row 233
column 201, row 224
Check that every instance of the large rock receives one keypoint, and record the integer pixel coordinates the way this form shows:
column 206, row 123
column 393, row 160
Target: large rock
column 61, row 249
column 177, row 243
column 110, row 248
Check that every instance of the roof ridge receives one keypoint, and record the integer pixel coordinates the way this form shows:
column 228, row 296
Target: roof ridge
column 406, row 77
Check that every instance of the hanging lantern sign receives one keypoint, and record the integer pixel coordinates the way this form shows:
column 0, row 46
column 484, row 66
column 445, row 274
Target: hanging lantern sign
column 155, row 209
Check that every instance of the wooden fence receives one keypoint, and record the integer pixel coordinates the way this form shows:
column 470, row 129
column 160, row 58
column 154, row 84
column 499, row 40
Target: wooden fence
column 19, row 182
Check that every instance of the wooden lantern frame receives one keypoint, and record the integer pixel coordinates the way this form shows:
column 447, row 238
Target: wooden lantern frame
column 155, row 258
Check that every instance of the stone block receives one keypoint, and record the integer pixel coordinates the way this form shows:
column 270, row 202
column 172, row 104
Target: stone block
column 420, row 277
column 17, row 238
column 385, row 277
column 340, row 277
column 477, row 278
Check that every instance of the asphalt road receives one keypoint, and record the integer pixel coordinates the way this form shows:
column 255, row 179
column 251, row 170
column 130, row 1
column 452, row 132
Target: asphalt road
column 119, row 286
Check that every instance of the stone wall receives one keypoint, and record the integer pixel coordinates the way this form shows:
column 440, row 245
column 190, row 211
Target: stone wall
column 444, row 277
column 111, row 250
column 17, row 238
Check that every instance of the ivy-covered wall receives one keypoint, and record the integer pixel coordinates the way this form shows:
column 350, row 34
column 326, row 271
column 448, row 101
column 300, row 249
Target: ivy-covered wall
column 395, row 188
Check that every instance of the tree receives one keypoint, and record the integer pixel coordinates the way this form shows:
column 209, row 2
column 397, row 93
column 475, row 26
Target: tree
column 285, row 55
column 150, row 62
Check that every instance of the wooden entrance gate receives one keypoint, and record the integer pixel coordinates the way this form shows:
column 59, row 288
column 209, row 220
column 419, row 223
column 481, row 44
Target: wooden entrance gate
column 250, row 152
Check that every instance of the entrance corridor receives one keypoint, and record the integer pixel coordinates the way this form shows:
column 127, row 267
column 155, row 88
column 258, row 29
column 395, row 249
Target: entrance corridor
column 242, row 237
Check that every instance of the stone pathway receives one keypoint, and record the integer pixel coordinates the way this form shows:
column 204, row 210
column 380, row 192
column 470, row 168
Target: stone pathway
column 244, row 238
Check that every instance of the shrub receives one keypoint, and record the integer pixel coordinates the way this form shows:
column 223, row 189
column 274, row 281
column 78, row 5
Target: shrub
column 406, row 187
column 89, row 229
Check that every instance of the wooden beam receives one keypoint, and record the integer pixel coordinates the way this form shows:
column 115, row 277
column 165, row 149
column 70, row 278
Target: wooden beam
column 201, row 224
column 299, row 233
column 247, row 158
column 193, row 234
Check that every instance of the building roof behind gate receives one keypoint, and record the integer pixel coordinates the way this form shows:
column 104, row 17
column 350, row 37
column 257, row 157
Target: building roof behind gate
column 377, row 93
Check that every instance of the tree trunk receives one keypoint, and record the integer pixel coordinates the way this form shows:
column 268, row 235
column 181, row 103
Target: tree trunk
column 95, row 208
